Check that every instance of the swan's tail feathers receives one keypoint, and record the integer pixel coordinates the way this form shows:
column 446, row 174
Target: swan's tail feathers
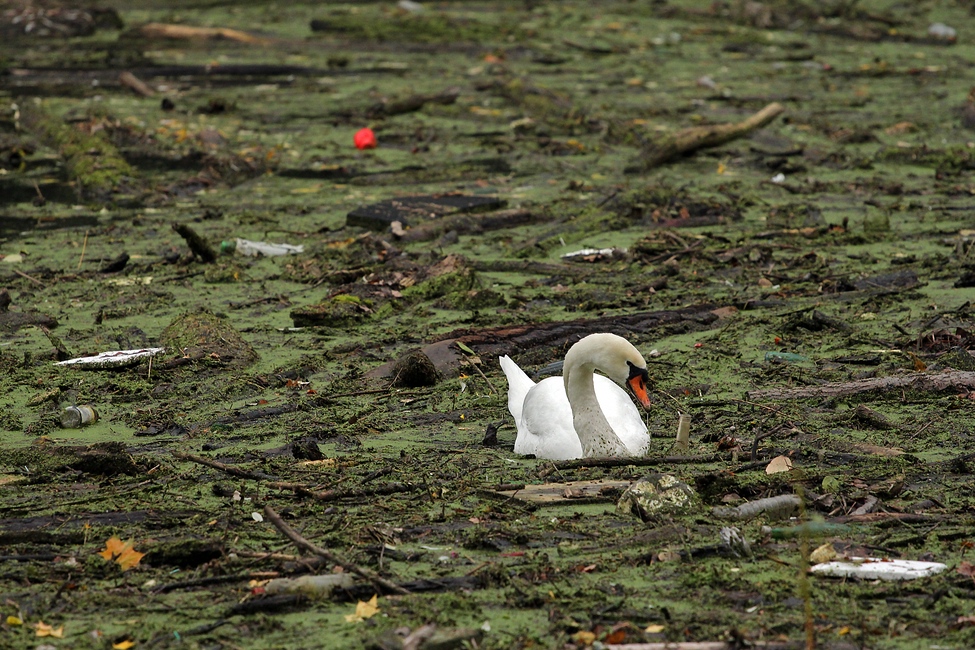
column 518, row 386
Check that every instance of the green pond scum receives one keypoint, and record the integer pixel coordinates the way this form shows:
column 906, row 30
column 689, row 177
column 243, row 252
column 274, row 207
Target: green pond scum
column 831, row 250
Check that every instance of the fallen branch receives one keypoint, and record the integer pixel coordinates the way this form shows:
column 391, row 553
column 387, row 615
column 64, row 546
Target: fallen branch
column 469, row 223
column 229, row 469
column 631, row 462
column 703, row 645
column 302, row 543
column 876, row 517
column 957, row 379
column 334, row 495
column 702, row 137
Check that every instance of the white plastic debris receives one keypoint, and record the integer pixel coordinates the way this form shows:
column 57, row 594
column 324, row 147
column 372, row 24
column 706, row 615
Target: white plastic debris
column 942, row 31
column 317, row 586
column 112, row 359
column 593, row 254
column 255, row 248
column 410, row 6
column 869, row 568
column 778, row 178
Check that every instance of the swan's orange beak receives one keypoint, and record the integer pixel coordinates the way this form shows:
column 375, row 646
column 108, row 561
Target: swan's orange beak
column 638, row 384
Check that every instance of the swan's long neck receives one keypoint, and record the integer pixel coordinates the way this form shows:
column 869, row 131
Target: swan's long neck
column 592, row 427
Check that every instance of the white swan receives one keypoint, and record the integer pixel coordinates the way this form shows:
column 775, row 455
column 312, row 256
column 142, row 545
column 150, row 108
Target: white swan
column 581, row 414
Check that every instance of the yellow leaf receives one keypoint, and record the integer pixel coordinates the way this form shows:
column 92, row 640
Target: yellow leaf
column 722, row 168
column 121, row 552
column 364, row 610
column 123, row 645
column 654, row 629
column 584, row 637
column 14, row 620
column 43, row 629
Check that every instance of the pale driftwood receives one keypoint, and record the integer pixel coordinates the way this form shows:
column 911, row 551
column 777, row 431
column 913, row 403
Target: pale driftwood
column 701, row 137
column 957, row 379
column 304, row 544
column 189, row 33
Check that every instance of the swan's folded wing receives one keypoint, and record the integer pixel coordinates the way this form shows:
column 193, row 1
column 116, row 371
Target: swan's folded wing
column 518, row 386
column 546, row 427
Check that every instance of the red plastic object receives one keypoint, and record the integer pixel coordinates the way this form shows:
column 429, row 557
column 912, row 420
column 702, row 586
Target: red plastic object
column 365, row 139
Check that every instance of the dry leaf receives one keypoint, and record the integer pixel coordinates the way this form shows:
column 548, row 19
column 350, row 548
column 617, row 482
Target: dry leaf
column 43, row 629
column 967, row 569
column 825, row 553
column 364, row 610
column 121, row 552
column 583, row 637
column 123, row 645
column 654, row 629
column 14, row 620
column 779, row 464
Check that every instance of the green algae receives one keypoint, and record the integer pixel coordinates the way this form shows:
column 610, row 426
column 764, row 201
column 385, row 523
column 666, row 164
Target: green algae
column 592, row 108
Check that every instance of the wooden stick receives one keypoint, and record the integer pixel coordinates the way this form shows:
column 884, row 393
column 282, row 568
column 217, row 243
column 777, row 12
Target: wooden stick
column 138, row 85
column 188, row 32
column 700, row 645
column 334, row 495
column 28, row 277
column 304, row 544
column 702, row 137
column 84, row 247
column 229, row 469
column 957, row 379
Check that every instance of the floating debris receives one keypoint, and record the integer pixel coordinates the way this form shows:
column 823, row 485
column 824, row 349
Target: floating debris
column 112, row 359
column 869, row 568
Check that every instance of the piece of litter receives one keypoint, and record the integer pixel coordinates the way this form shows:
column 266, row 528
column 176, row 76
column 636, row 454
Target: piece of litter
column 778, row 178
column 593, row 254
column 942, row 31
column 112, row 359
column 878, row 569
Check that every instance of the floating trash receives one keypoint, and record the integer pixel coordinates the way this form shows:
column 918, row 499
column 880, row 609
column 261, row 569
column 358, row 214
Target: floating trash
column 869, row 568
column 112, row 359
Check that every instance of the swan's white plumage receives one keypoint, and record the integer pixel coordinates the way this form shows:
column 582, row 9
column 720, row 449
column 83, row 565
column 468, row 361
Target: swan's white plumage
column 544, row 416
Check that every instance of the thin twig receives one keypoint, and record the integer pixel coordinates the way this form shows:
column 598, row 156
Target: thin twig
column 304, row 544
column 229, row 469
column 84, row 247
column 31, row 278
column 334, row 495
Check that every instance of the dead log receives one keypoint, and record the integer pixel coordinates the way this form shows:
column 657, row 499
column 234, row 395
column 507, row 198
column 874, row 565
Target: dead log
column 702, row 137
column 953, row 379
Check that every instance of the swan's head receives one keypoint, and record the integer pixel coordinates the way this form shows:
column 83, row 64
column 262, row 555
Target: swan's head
column 617, row 358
